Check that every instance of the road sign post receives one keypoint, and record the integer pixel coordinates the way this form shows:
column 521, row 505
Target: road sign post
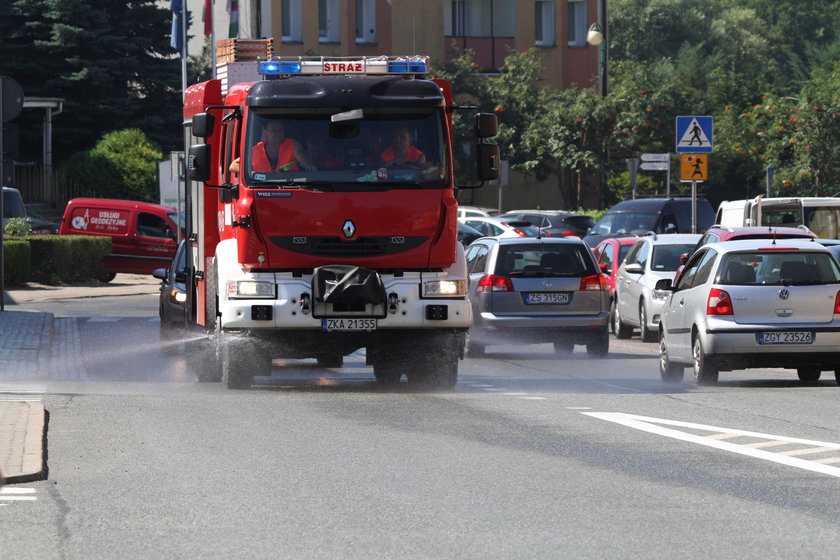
column 659, row 162
column 633, row 170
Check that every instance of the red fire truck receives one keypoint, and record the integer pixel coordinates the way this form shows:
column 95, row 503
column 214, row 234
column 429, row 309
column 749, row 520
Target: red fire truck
column 314, row 245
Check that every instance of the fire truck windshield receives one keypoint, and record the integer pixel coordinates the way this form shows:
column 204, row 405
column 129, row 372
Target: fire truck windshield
column 389, row 148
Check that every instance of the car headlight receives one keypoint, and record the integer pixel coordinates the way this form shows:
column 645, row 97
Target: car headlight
column 177, row 295
column 250, row 289
column 444, row 288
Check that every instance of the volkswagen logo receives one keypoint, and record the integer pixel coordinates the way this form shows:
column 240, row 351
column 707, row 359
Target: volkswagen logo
column 547, row 284
column 348, row 229
column 784, row 294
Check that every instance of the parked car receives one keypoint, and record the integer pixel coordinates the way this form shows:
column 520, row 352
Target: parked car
column 473, row 211
column 14, row 207
column 659, row 215
column 534, row 291
column 609, row 254
column 718, row 233
column 467, row 234
column 638, row 303
column 494, row 227
column 143, row 234
column 753, row 303
column 173, row 295
column 556, row 222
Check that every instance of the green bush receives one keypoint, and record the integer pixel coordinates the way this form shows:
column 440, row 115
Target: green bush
column 60, row 259
column 18, row 227
column 17, row 263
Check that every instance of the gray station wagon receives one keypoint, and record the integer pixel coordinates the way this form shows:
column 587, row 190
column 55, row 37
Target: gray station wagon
column 537, row 290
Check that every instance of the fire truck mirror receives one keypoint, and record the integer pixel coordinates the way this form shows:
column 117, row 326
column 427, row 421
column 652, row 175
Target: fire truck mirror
column 202, row 124
column 486, row 125
column 488, row 162
column 198, row 163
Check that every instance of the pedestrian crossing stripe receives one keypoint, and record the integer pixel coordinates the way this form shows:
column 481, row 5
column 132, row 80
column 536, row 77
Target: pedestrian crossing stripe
column 694, row 134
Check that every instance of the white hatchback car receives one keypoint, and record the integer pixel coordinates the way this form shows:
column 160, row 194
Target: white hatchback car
column 651, row 259
column 494, row 227
column 753, row 303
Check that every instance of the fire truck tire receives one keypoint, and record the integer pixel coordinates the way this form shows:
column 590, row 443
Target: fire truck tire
column 330, row 361
column 201, row 360
column 242, row 359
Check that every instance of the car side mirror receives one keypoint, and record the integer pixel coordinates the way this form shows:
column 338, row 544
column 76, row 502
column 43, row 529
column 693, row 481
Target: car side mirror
column 159, row 273
column 684, row 258
column 664, row 285
column 603, row 267
column 634, row 268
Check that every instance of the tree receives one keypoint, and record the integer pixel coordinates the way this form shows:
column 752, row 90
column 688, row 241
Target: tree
column 123, row 164
column 110, row 61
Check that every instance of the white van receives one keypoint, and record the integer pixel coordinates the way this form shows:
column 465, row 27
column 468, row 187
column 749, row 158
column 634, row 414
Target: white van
column 820, row 214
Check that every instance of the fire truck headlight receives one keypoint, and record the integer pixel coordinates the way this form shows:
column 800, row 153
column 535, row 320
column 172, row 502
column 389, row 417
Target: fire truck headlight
column 444, row 288
column 250, row 289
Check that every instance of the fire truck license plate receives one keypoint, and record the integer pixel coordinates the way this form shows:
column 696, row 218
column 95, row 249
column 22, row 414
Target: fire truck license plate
column 348, row 324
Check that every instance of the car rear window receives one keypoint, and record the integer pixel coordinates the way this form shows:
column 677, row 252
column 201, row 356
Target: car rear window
column 666, row 258
column 580, row 222
column 778, row 268
column 544, row 260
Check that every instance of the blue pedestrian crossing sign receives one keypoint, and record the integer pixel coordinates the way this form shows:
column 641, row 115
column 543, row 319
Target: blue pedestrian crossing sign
column 694, row 135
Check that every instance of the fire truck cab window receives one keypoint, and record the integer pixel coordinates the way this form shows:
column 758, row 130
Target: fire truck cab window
column 302, row 148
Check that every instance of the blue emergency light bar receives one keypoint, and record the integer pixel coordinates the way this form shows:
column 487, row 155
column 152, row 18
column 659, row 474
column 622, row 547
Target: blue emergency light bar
column 270, row 69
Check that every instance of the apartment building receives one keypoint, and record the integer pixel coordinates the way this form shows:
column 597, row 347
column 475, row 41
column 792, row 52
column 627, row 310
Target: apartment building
column 438, row 28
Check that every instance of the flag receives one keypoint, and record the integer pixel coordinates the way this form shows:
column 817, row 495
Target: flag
column 233, row 10
column 208, row 18
column 177, row 41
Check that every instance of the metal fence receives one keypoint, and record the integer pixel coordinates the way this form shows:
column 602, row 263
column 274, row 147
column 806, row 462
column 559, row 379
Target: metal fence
column 39, row 186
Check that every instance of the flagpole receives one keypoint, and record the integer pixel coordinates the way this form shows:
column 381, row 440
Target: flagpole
column 183, row 50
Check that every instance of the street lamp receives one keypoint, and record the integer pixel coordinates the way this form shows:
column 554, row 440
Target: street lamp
column 597, row 37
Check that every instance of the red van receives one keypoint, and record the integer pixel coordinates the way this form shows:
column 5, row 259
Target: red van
column 143, row 234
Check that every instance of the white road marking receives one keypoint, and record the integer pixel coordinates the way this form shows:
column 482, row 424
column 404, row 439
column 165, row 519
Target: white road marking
column 657, row 426
column 534, row 398
column 8, row 494
column 104, row 319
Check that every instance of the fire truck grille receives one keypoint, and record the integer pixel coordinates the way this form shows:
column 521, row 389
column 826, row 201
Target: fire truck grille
column 340, row 248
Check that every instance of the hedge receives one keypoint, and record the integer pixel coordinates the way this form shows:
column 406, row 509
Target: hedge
column 17, row 262
column 59, row 259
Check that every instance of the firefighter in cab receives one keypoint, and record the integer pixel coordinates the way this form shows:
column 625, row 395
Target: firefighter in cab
column 401, row 153
column 275, row 152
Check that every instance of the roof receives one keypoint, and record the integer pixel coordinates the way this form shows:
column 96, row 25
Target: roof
column 753, row 244
column 766, row 231
column 119, row 204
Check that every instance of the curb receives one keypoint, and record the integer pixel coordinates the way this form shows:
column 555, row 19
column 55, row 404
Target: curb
column 24, row 425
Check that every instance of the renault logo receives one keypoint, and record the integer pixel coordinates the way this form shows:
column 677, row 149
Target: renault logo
column 784, row 294
column 348, row 229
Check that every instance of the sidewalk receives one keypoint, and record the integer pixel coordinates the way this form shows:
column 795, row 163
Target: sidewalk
column 36, row 345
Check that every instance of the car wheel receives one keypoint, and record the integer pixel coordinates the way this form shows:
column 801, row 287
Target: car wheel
column 621, row 329
column 837, row 376
column 599, row 346
column 705, row 372
column 809, row 374
column 668, row 370
column 107, row 277
column 647, row 334
column 563, row 347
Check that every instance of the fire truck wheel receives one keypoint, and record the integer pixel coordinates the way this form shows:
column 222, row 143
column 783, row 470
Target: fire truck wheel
column 242, row 359
column 330, row 361
column 201, row 360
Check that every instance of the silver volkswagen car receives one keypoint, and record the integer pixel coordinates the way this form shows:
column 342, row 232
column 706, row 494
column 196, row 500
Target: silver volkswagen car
column 753, row 303
column 537, row 290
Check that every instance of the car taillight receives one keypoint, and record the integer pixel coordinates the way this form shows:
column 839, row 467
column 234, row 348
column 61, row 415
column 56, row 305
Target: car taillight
column 492, row 283
column 594, row 282
column 837, row 304
column 518, row 232
column 719, row 303
column 569, row 233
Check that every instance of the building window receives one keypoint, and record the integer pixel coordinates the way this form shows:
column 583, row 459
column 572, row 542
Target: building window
column 460, row 16
column 365, row 21
column 328, row 21
column 291, row 17
column 577, row 23
column 544, row 23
